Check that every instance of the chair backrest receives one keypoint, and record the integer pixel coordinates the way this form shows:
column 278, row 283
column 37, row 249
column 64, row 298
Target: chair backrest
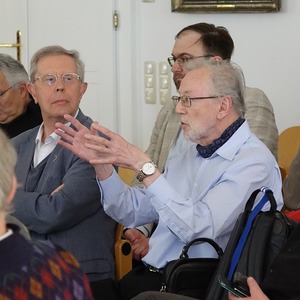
column 23, row 229
column 123, row 253
column 288, row 145
column 126, row 175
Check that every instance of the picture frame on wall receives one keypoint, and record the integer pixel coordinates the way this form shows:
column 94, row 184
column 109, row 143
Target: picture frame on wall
column 223, row 6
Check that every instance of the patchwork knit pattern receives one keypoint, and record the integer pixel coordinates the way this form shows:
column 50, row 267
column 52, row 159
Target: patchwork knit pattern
column 41, row 271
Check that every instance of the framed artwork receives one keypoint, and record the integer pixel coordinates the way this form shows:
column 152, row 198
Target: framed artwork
column 222, row 6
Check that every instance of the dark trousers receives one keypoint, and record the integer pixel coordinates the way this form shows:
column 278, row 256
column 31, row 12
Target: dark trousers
column 139, row 280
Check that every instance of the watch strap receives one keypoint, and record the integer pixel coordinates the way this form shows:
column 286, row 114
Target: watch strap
column 141, row 175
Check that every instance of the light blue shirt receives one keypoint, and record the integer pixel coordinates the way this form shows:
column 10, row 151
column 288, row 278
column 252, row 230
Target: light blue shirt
column 196, row 196
column 179, row 146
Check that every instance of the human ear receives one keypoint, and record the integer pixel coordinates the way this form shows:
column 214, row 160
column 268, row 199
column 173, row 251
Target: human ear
column 31, row 90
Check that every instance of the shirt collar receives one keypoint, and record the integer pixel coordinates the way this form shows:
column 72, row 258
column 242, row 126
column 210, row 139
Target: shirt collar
column 6, row 234
column 207, row 151
column 53, row 136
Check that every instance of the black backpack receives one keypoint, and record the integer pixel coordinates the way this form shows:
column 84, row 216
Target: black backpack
column 267, row 235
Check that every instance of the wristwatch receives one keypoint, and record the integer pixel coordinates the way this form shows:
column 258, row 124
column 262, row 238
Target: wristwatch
column 147, row 169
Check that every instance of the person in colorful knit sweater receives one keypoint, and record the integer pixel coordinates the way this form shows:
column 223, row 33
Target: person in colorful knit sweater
column 31, row 269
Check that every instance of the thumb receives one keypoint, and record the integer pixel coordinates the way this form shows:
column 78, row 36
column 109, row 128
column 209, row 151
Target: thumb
column 255, row 290
column 129, row 235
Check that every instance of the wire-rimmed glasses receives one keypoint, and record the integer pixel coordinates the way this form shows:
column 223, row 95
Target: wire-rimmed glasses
column 186, row 101
column 2, row 93
column 50, row 79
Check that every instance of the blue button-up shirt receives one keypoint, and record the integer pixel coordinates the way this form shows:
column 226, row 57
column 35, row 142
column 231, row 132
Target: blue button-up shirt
column 196, row 196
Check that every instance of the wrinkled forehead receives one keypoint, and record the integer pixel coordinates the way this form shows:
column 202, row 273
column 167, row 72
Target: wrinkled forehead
column 56, row 63
column 197, row 80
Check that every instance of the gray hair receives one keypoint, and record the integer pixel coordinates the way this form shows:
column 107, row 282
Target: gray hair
column 8, row 159
column 227, row 78
column 56, row 50
column 13, row 71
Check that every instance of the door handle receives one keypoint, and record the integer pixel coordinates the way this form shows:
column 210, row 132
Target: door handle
column 15, row 45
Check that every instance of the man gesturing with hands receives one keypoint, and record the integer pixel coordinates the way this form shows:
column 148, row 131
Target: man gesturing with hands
column 202, row 190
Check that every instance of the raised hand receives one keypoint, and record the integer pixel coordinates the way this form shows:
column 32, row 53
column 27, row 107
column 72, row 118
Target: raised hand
column 101, row 152
column 74, row 139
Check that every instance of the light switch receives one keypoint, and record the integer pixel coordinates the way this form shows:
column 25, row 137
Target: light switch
column 150, row 82
column 149, row 67
column 164, row 82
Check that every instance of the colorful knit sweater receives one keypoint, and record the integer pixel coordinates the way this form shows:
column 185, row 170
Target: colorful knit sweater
column 39, row 270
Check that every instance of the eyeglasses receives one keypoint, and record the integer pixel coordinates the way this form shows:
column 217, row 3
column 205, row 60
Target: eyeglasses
column 1, row 94
column 50, row 79
column 186, row 101
column 183, row 59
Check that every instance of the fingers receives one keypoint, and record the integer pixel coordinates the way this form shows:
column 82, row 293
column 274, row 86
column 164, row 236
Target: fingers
column 57, row 189
column 96, row 126
column 65, row 132
column 64, row 128
column 255, row 290
column 139, row 250
column 74, row 122
column 95, row 141
column 129, row 235
column 66, row 145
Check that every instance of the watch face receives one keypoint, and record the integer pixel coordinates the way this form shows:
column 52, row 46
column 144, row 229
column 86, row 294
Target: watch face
column 148, row 168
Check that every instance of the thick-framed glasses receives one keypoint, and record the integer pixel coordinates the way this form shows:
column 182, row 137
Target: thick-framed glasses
column 2, row 93
column 186, row 101
column 181, row 60
column 50, row 79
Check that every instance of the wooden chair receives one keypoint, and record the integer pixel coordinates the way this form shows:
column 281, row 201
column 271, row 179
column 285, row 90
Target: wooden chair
column 126, row 175
column 288, row 145
column 123, row 254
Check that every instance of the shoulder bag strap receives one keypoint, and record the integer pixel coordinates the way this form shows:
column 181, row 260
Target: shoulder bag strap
column 239, row 248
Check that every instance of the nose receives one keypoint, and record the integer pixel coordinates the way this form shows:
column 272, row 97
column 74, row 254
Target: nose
column 179, row 109
column 59, row 84
column 176, row 67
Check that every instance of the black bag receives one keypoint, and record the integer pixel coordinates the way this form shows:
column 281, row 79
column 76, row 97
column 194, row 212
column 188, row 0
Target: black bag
column 269, row 232
column 191, row 276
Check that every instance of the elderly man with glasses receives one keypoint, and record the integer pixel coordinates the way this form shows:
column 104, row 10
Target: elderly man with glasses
column 18, row 112
column 203, row 189
column 199, row 41
column 58, row 196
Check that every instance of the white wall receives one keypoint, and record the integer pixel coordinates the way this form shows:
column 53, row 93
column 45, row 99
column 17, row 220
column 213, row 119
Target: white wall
column 267, row 47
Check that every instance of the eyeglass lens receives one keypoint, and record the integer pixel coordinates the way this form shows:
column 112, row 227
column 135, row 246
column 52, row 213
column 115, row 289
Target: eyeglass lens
column 67, row 78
